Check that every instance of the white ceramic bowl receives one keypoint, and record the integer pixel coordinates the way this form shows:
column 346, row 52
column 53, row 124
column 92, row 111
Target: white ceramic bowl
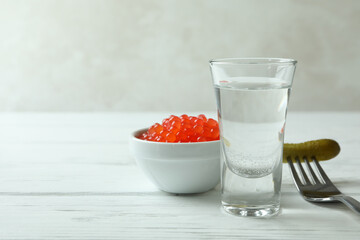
column 178, row 167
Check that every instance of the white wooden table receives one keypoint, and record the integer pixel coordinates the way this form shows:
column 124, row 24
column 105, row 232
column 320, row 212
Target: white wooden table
column 70, row 176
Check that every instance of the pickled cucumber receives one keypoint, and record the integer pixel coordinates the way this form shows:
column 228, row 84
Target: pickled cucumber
column 322, row 149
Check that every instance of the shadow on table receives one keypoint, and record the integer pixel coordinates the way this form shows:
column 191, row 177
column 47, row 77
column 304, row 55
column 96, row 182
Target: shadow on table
column 297, row 204
column 211, row 197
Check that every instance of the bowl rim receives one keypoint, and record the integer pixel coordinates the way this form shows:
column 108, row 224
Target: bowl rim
column 134, row 138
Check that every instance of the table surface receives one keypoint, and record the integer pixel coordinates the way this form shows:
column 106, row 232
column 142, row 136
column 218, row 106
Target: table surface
column 71, row 176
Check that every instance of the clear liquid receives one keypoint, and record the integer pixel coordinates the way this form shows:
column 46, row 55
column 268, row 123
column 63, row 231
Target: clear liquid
column 252, row 119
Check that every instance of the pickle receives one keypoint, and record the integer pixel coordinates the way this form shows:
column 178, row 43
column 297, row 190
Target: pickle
column 322, row 149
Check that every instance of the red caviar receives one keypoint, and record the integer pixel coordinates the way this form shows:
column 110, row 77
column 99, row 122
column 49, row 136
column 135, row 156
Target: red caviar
column 183, row 129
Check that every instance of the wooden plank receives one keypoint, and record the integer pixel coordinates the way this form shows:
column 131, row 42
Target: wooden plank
column 63, row 178
column 164, row 216
column 86, row 153
column 94, row 178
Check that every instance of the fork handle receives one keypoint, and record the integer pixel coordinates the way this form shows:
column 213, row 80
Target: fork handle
column 349, row 202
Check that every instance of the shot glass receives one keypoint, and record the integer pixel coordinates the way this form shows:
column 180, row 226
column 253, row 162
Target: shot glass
column 252, row 96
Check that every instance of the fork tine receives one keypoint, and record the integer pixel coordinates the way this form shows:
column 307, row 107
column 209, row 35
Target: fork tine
column 321, row 171
column 293, row 171
column 311, row 171
column 306, row 179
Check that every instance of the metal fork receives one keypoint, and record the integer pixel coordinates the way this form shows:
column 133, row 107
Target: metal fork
column 318, row 188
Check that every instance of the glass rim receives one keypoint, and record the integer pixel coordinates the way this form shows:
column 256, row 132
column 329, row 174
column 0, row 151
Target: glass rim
column 253, row 61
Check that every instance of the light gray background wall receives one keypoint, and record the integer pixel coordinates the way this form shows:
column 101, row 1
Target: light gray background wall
column 103, row 55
